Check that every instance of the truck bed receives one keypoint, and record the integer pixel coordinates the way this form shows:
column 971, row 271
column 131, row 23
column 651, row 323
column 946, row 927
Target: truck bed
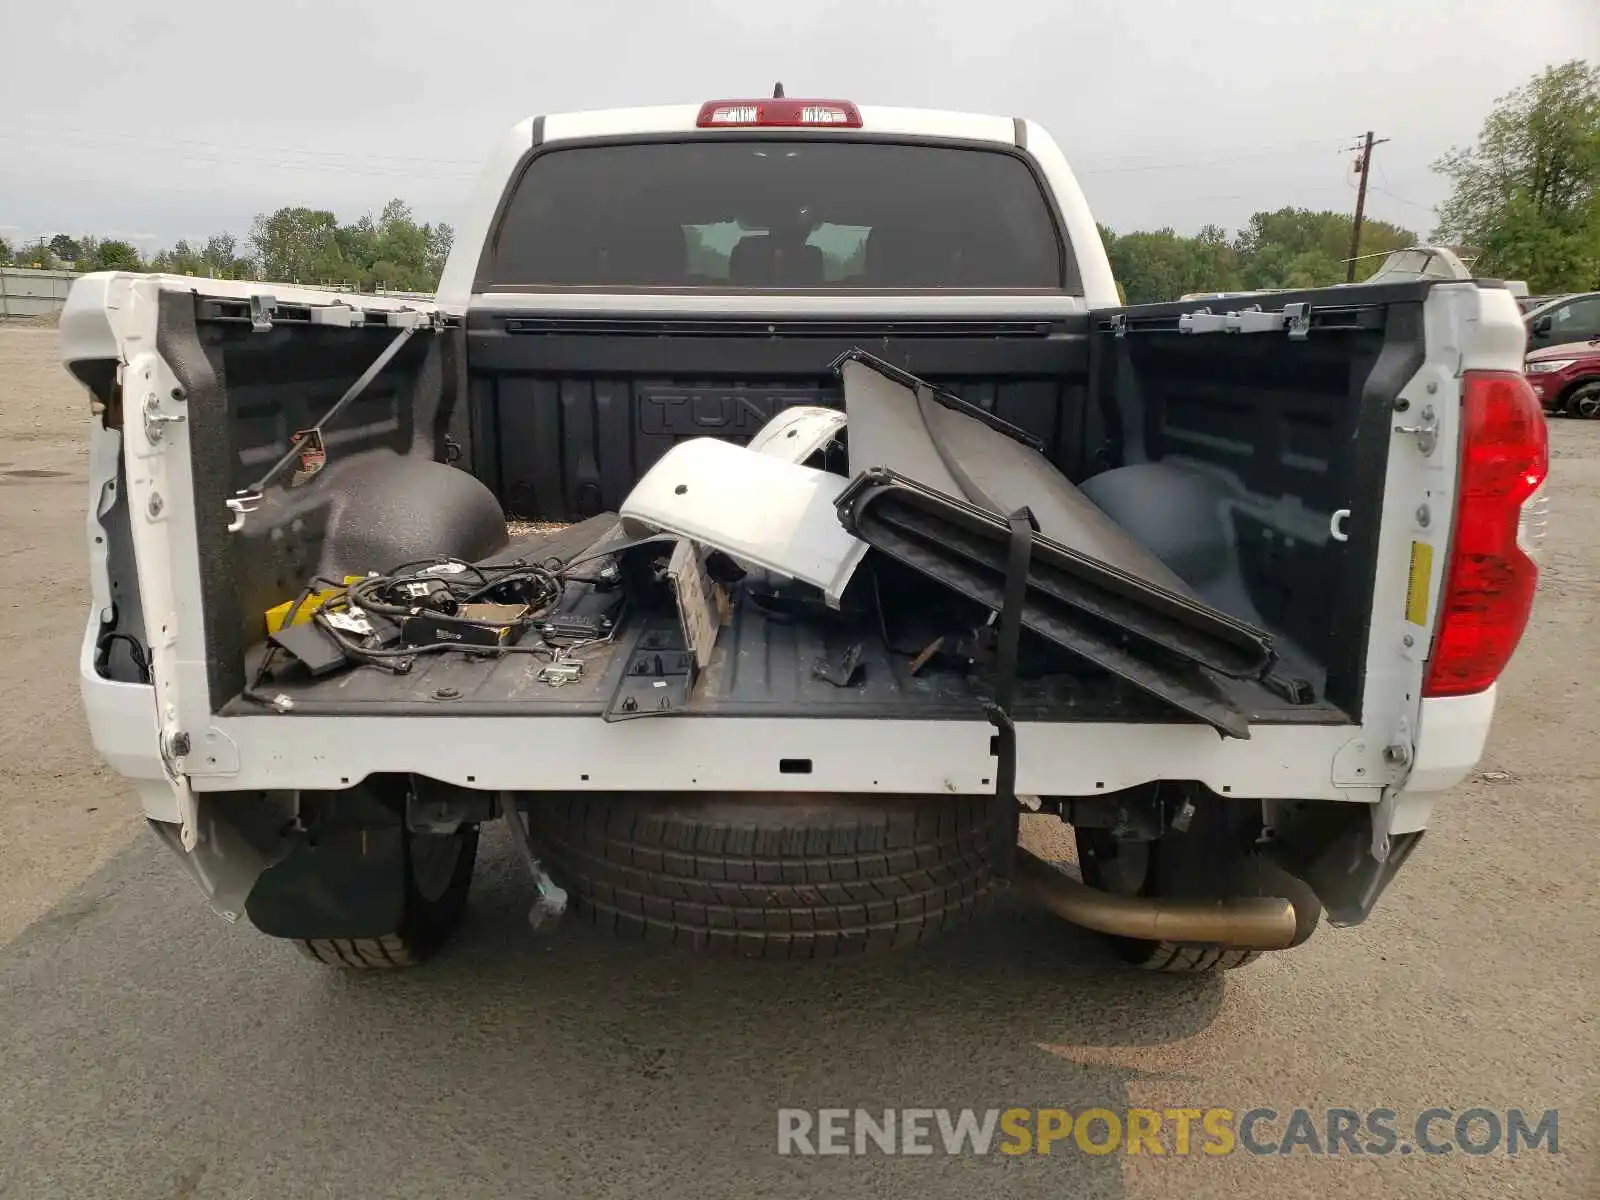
column 558, row 418
column 763, row 666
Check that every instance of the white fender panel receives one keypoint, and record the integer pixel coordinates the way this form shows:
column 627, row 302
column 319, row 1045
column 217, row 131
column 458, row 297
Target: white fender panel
column 758, row 509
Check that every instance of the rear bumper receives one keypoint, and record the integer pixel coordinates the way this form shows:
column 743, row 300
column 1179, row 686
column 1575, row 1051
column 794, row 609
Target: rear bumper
column 751, row 753
column 1451, row 732
column 123, row 727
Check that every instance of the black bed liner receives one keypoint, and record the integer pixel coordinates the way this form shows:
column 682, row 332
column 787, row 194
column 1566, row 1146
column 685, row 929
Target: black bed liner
column 559, row 416
column 763, row 666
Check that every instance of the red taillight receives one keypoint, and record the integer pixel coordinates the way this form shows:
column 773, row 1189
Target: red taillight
column 1489, row 579
column 780, row 113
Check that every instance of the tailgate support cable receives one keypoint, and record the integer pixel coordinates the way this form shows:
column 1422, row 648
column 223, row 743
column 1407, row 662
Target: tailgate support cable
column 1005, row 824
column 309, row 442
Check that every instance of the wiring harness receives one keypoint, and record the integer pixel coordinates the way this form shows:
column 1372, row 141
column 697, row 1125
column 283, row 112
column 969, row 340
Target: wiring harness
column 364, row 618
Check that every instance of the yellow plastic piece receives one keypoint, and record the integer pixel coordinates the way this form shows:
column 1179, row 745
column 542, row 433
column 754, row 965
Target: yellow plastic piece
column 277, row 614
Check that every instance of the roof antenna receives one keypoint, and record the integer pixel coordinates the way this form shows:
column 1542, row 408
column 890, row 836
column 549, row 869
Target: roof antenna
column 777, row 91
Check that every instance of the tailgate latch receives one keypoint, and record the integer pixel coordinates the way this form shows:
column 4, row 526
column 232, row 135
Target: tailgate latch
column 155, row 420
column 1426, row 430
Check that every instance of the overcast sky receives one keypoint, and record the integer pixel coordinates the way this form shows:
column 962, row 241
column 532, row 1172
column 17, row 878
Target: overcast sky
column 155, row 121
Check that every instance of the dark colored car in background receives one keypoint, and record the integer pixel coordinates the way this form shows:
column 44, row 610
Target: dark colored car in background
column 1564, row 320
column 1567, row 378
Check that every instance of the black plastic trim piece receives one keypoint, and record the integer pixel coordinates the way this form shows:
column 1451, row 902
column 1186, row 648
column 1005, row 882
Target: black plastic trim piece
column 952, row 327
column 212, row 461
column 1402, row 354
column 742, row 353
column 1102, row 590
column 1181, row 684
column 923, row 389
column 485, row 257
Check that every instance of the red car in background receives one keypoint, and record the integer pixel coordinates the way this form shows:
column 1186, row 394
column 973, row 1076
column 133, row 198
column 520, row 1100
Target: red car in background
column 1567, row 378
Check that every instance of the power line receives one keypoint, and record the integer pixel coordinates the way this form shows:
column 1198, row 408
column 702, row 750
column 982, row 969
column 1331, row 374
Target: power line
column 325, row 168
column 146, row 139
column 347, row 165
column 1384, row 175
column 1433, row 208
column 1184, row 164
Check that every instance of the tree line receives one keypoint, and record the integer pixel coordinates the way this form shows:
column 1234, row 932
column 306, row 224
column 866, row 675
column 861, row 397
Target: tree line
column 391, row 251
column 1524, row 204
column 1287, row 248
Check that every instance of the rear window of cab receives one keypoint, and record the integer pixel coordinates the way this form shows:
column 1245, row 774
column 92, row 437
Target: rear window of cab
column 778, row 214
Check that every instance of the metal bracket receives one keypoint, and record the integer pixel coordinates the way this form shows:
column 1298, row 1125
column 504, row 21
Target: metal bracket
column 1426, row 430
column 340, row 316
column 1118, row 325
column 173, row 747
column 1202, row 320
column 410, row 318
column 1253, row 320
column 1398, row 753
column 1297, row 320
column 443, row 808
column 1382, row 815
column 154, row 418
column 262, row 307
column 1359, row 763
column 559, row 674
column 214, row 753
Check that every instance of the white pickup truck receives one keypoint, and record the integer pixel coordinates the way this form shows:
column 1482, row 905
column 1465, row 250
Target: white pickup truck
column 1351, row 477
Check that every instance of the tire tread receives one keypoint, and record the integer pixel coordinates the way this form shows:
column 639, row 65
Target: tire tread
column 857, row 879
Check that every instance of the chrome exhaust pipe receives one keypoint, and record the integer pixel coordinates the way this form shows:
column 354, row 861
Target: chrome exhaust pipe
column 1244, row 923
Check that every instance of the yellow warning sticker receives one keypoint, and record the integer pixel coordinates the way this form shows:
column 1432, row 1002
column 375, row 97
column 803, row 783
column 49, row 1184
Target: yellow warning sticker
column 1417, row 585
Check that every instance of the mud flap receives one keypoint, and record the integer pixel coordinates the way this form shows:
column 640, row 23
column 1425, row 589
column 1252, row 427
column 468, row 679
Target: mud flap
column 1329, row 846
column 348, row 884
column 345, row 874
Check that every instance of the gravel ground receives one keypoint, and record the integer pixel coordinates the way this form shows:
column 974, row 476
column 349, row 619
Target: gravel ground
column 150, row 1050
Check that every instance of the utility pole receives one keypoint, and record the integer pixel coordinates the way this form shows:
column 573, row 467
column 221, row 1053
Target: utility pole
column 1361, row 202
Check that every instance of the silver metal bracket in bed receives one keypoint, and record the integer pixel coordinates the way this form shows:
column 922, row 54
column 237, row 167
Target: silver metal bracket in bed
column 1295, row 320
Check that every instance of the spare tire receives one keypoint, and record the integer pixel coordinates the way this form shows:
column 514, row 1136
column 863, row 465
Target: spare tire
column 770, row 875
